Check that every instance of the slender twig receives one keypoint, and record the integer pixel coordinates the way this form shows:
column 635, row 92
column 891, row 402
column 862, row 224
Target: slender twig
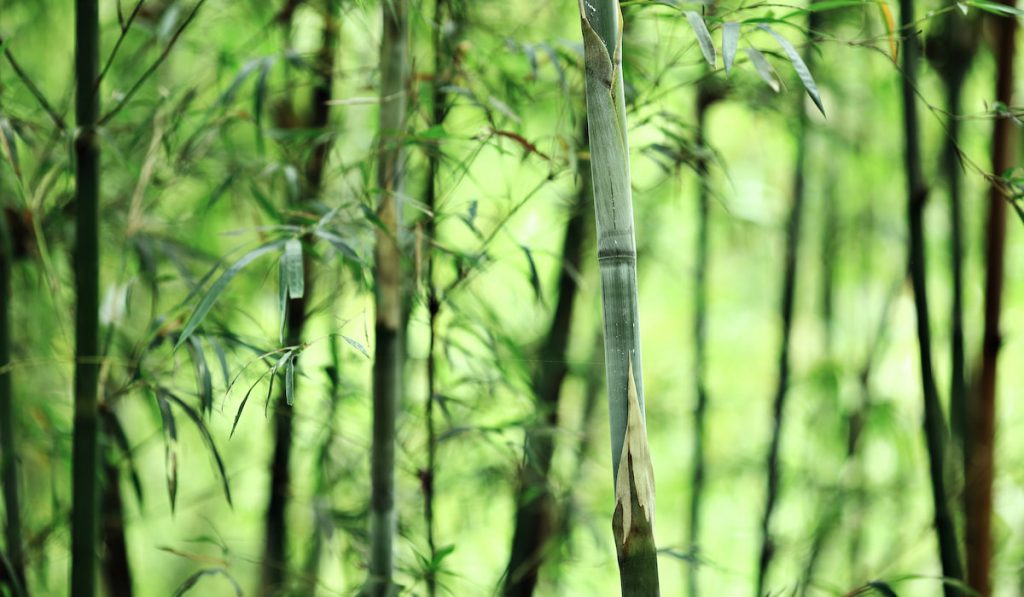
column 145, row 76
column 36, row 93
column 125, row 26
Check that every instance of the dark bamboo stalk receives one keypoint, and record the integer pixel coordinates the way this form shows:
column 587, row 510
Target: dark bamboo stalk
column 117, row 573
column 85, row 450
column 447, row 13
column 389, row 350
column 982, row 414
column 535, row 519
column 789, row 276
column 951, row 53
column 8, row 453
column 275, row 558
column 917, row 194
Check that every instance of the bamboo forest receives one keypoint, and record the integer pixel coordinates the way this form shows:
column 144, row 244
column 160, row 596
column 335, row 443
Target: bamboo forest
column 508, row 297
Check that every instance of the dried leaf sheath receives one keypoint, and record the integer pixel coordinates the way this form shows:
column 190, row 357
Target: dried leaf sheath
column 616, row 251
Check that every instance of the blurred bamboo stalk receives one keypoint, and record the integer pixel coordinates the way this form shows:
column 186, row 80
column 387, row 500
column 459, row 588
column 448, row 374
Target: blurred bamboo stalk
column 389, row 351
column 15, row 578
column 85, row 449
column 917, row 195
column 982, row 414
column 787, row 307
column 536, row 511
column 633, row 521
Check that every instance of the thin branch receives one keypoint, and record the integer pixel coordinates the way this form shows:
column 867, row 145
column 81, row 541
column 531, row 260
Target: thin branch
column 163, row 56
column 33, row 89
column 125, row 26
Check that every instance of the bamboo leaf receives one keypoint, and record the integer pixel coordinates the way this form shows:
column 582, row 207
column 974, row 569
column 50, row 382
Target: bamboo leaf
column 890, row 29
column 798, row 64
column 8, row 144
column 357, row 346
column 229, row 94
column 996, row 8
column 534, row 277
column 170, row 448
column 282, row 297
column 763, row 68
column 260, row 94
column 191, row 581
column 730, row 42
column 204, row 432
column 289, row 380
column 218, row 287
column 204, row 381
column 222, row 358
column 882, row 588
column 293, row 268
column 339, row 245
column 116, row 432
column 245, row 399
column 700, row 28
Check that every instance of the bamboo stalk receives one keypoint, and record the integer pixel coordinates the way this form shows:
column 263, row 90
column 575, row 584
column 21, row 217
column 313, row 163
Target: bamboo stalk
column 633, row 520
column 706, row 96
column 445, row 13
column 787, row 307
column 917, row 194
column 275, row 558
column 8, row 453
column 535, row 519
column 982, row 414
column 117, row 574
column 85, row 460
column 389, row 350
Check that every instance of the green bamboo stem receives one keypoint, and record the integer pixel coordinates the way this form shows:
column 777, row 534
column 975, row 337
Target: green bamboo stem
column 275, row 556
column 633, row 521
column 982, row 419
column 787, row 310
column 917, row 194
column 85, row 453
column 8, row 453
column 706, row 96
column 389, row 351
column 535, row 520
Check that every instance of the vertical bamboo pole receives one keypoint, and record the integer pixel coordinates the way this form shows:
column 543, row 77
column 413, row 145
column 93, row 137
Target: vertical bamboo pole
column 536, row 519
column 982, row 414
column 787, row 308
column 917, row 195
column 448, row 23
column 633, row 520
column 85, row 461
column 8, row 454
column 389, row 352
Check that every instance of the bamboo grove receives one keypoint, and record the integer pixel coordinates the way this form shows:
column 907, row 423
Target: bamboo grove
column 464, row 297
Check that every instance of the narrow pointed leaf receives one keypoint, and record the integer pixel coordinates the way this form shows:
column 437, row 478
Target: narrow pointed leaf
column 798, row 64
column 204, row 432
column 707, row 47
column 763, row 68
column 170, row 449
column 890, row 29
column 218, row 287
column 289, row 380
column 204, row 380
column 293, row 268
column 730, row 42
